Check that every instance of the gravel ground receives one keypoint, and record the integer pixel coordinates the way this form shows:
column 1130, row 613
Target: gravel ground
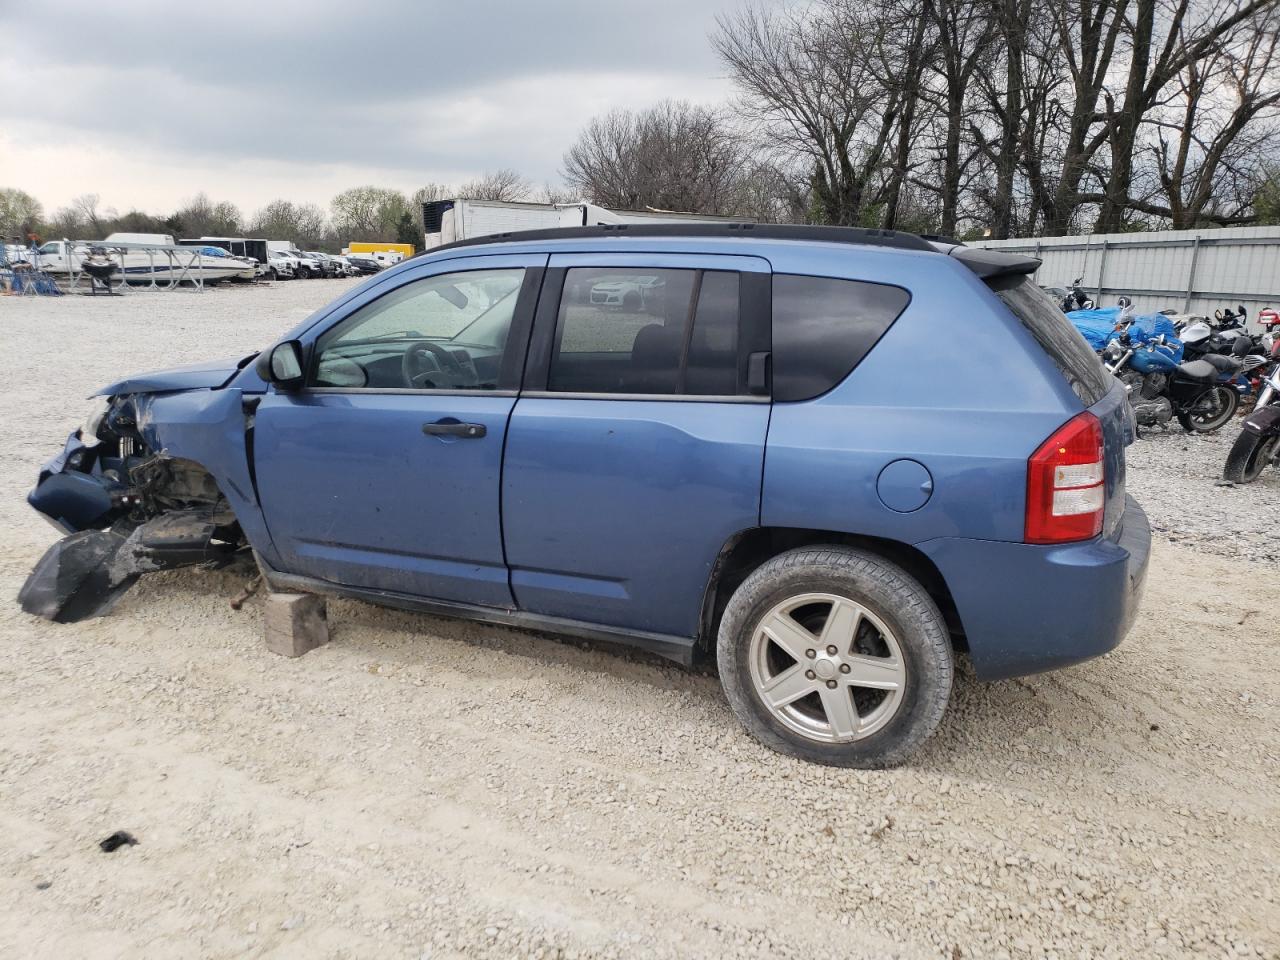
column 1178, row 478
column 427, row 788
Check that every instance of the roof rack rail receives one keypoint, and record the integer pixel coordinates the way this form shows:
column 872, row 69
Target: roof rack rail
column 760, row 231
column 987, row 264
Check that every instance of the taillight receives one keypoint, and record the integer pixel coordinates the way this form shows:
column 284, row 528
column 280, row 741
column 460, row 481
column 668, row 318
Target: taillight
column 1065, row 484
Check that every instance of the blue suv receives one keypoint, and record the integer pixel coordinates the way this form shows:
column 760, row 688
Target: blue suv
column 830, row 458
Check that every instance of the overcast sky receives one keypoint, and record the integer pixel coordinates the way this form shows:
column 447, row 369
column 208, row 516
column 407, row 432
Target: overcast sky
column 147, row 103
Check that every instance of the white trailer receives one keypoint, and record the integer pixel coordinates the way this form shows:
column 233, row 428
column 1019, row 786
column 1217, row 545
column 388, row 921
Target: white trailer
column 447, row 221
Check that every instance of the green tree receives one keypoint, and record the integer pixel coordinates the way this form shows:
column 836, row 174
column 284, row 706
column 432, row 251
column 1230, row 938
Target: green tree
column 407, row 230
column 368, row 213
column 20, row 212
column 1266, row 200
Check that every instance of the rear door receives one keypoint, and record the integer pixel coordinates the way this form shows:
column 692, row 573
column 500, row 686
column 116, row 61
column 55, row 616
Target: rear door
column 636, row 448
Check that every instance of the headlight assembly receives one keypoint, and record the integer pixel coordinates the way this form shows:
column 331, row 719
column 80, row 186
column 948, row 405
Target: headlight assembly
column 89, row 429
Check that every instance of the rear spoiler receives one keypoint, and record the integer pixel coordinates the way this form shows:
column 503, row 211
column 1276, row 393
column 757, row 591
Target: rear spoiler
column 989, row 264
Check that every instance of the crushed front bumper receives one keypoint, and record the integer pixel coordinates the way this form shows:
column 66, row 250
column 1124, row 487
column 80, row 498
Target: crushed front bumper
column 110, row 540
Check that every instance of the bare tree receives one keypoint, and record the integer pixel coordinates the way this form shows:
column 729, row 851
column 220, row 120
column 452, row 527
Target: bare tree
column 1221, row 120
column 303, row 223
column 912, row 48
column 85, row 210
column 965, row 33
column 673, row 156
column 502, row 184
column 1165, row 38
column 808, row 82
column 203, row 218
column 550, row 193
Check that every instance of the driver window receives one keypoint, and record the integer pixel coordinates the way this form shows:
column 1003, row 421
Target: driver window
column 439, row 333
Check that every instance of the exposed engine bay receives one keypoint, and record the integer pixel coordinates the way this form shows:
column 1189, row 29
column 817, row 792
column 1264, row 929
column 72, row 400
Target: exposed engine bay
column 127, row 510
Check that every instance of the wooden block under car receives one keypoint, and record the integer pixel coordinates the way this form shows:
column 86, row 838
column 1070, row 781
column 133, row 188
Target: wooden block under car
column 295, row 623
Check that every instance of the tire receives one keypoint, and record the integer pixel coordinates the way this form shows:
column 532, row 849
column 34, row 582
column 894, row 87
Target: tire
column 894, row 620
column 273, row 274
column 632, row 301
column 1249, row 456
column 1228, row 401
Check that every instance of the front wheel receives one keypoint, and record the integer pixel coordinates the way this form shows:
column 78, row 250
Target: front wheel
column 835, row 656
column 1249, row 456
column 1210, row 410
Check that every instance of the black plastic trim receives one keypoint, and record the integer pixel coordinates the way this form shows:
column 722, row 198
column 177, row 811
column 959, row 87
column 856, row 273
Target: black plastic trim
column 990, row 264
column 679, row 649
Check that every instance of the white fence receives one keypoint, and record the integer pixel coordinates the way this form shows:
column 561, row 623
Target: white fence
column 1192, row 271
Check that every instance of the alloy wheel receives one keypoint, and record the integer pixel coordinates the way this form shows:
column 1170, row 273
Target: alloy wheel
column 827, row 668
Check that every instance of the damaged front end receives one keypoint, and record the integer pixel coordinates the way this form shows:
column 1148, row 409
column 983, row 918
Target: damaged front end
column 127, row 510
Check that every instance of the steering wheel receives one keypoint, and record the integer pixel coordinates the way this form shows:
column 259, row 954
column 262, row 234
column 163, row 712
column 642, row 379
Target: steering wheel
column 415, row 373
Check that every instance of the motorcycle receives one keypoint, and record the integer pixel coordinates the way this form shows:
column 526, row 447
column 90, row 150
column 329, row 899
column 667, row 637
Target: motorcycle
column 1226, row 319
column 1258, row 445
column 1075, row 298
column 1161, row 386
column 1229, row 346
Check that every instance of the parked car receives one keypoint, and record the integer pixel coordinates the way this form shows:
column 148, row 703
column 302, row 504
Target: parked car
column 343, row 266
column 751, row 473
column 633, row 293
column 281, row 266
column 364, row 266
column 308, row 265
column 328, row 267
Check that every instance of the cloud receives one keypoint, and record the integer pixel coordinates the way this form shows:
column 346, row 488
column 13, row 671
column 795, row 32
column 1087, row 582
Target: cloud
column 241, row 97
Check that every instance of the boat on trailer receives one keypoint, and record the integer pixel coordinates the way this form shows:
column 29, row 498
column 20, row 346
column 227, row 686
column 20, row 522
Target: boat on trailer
column 151, row 259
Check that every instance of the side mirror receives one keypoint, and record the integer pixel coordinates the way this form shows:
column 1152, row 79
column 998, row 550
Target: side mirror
column 282, row 365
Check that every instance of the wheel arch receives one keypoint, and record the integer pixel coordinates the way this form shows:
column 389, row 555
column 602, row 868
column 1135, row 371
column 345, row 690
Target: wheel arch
column 748, row 549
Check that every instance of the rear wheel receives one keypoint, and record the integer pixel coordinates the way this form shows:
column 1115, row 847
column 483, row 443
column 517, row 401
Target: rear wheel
column 1209, row 411
column 835, row 656
column 1249, row 456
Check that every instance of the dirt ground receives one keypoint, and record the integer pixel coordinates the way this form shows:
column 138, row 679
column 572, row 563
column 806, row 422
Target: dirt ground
column 423, row 788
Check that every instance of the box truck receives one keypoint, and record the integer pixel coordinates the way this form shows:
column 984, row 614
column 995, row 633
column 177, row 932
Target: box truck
column 446, row 221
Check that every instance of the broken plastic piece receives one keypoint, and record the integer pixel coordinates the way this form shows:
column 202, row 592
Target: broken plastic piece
column 121, row 838
column 73, row 580
column 83, row 575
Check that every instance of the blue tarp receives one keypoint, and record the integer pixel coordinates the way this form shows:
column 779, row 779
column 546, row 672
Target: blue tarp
column 39, row 282
column 1099, row 325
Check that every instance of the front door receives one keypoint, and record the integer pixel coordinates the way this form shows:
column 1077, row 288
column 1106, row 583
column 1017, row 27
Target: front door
column 636, row 449
column 384, row 471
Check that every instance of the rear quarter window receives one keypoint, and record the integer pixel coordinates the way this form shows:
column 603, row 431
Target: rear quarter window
column 1057, row 335
column 823, row 328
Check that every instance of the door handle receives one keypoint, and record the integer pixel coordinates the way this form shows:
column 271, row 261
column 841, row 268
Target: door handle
column 454, row 428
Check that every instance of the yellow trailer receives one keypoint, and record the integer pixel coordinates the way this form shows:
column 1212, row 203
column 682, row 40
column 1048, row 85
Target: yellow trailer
column 358, row 246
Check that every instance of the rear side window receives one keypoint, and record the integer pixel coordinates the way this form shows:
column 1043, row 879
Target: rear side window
column 1057, row 335
column 647, row 331
column 822, row 328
